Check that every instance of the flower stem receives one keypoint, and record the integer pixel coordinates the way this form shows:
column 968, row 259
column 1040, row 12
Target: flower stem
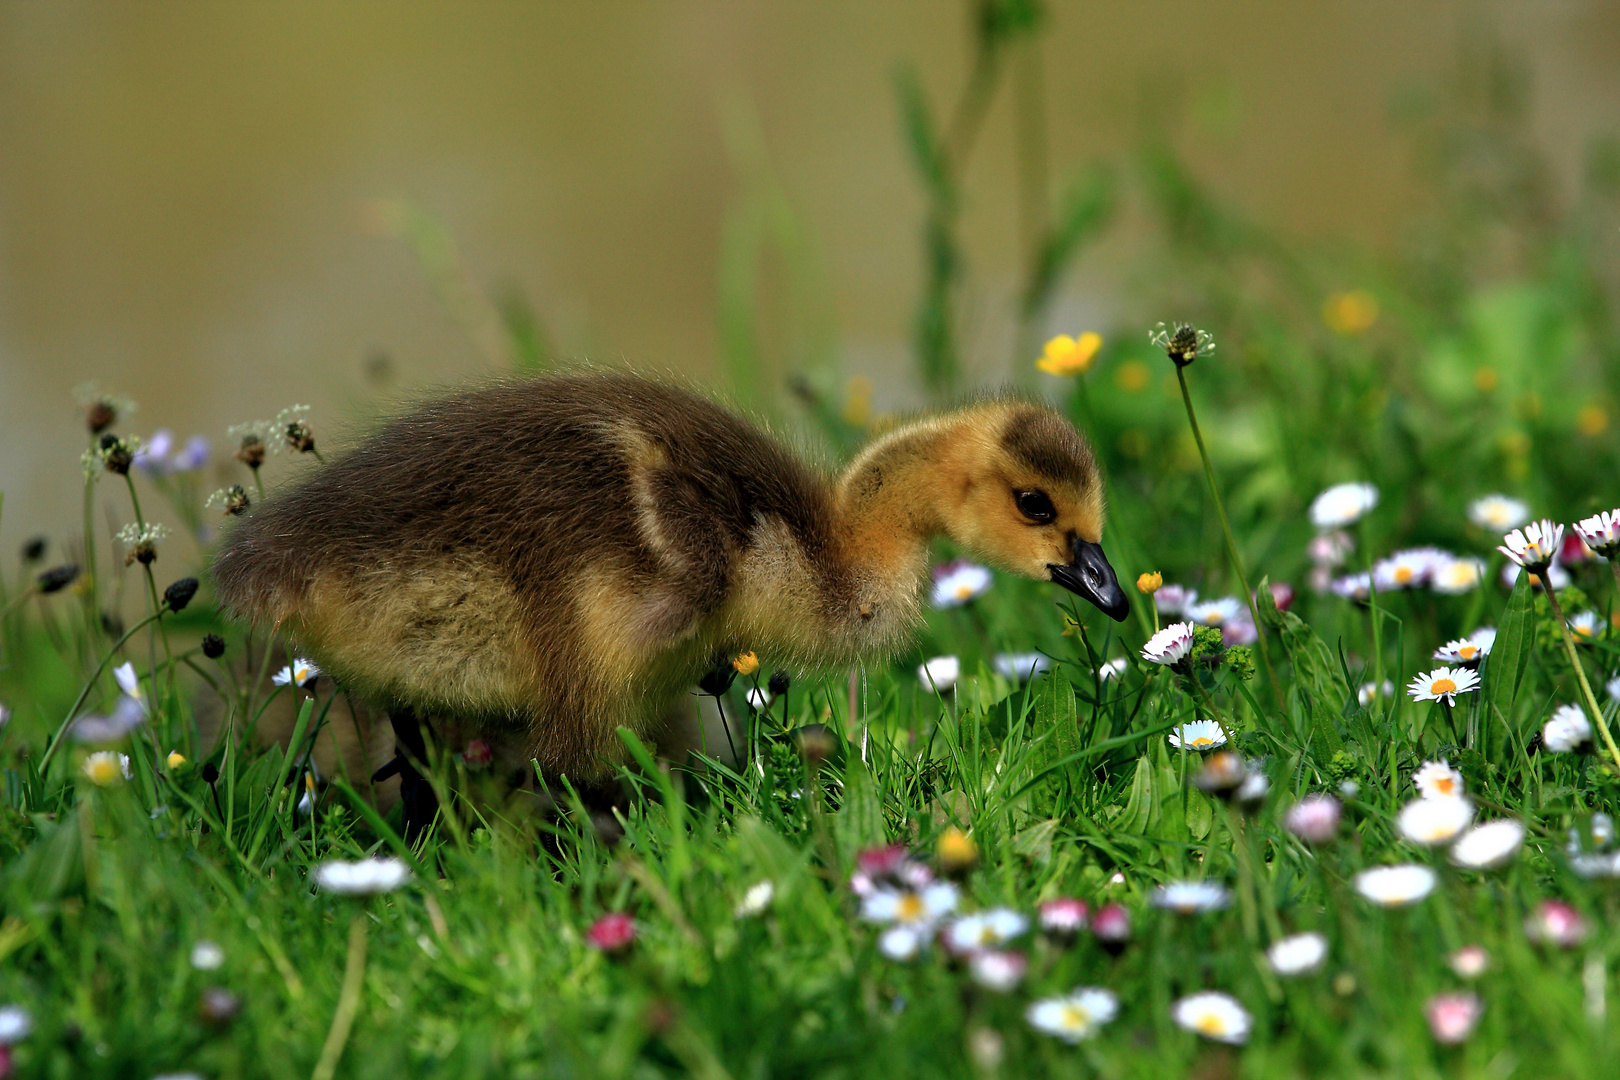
column 1580, row 672
column 1231, row 544
column 354, row 972
column 50, row 751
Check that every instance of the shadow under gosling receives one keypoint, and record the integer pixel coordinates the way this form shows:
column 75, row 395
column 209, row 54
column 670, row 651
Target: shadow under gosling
column 558, row 557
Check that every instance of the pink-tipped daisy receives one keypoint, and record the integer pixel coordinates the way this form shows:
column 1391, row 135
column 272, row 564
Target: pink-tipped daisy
column 1464, row 651
column 1601, row 532
column 1170, row 645
column 1452, row 1017
column 1443, row 684
column 1535, row 546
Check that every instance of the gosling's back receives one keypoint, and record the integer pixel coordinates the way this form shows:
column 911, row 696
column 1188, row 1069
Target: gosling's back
column 540, row 553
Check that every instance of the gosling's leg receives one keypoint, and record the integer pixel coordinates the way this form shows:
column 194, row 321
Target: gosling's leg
column 416, row 795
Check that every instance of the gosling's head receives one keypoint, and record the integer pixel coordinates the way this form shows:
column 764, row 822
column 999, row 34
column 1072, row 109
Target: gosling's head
column 1025, row 495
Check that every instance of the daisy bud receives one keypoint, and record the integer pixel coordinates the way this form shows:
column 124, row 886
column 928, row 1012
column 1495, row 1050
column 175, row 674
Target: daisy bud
column 175, row 760
column 1111, row 926
column 1314, row 819
column 612, row 933
column 956, row 851
column 1064, row 917
column 213, row 646
column 1222, row 774
column 179, row 594
column 57, row 578
column 217, row 1007
column 1452, row 1016
column 779, row 683
column 1150, row 583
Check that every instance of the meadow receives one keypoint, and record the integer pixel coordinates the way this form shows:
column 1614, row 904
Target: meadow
column 1336, row 799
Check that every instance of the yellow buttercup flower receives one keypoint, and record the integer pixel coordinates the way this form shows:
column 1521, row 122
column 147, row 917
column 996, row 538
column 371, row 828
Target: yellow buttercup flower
column 1349, row 313
column 176, row 759
column 1149, row 583
column 746, row 663
column 1065, row 355
column 957, row 851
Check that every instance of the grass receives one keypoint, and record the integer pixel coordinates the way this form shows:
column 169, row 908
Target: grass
column 1440, row 373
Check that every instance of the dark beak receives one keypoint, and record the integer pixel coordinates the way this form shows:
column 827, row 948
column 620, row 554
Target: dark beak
column 1090, row 576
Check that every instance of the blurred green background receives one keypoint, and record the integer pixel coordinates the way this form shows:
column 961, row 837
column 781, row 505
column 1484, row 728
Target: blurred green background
column 223, row 209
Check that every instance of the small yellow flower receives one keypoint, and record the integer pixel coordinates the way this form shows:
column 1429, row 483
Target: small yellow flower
column 1592, row 420
column 1064, row 355
column 956, row 850
column 1149, row 583
column 1485, row 379
column 1133, row 377
column 858, row 401
column 105, row 768
column 745, row 663
column 176, row 760
column 1350, row 313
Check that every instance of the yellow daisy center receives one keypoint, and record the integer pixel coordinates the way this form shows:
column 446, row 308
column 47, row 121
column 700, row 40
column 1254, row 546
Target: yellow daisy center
column 302, row 674
column 103, row 772
column 1584, row 631
column 1210, row 1024
column 1446, row 786
column 1443, row 686
column 964, row 592
column 1467, row 652
column 1203, row 741
column 1075, row 1017
column 1403, row 574
column 1213, row 618
column 910, row 907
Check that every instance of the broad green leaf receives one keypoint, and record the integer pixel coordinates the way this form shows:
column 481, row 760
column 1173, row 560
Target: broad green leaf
column 1314, row 666
column 1504, row 668
column 859, row 821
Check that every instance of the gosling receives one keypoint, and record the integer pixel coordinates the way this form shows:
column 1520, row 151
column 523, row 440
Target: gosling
column 560, row 557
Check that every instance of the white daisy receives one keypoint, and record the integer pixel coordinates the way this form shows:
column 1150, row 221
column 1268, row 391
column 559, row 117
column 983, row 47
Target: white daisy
column 1498, row 513
column 1368, row 691
column 939, row 673
column 128, row 681
column 1470, row 961
column 1021, row 666
column 1587, row 626
column 1170, row 645
column 206, row 956
column 756, row 899
column 1434, row 821
column 1352, row 586
column 1330, row 548
column 1342, row 504
column 922, row 906
column 1298, row 954
column 1460, row 651
column 126, row 716
column 902, row 942
column 984, row 929
column 363, row 877
column 105, row 768
column 300, row 672
column 1443, row 684
column 1454, row 576
column 1601, row 830
column 1073, row 1017
column 1453, row 1016
column 1174, row 599
column 1488, row 845
column 1396, row 886
column 1314, row 819
column 1113, row 669
column 1438, row 780
column 1601, row 532
column 1535, row 546
column 15, row 1024
column 1198, row 735
column 997, row 969
column 1484, row 637
column 1566, row 730
column 1214, row 1016
column 1612, row 688
column 956, row 583
column 1215, row 612
column 1407, row 569
column 1191, row 897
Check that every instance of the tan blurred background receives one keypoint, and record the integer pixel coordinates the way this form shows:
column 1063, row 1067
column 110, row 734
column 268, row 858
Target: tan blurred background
column 188, row 192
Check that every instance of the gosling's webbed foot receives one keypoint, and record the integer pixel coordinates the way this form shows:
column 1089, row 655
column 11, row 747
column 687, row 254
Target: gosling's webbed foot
column 418, row 802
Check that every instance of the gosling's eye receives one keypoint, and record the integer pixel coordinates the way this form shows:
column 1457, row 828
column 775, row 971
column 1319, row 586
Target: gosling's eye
column 1036, row 506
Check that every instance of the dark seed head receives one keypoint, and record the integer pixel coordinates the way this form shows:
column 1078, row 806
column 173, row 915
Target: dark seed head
column 300, row 437
column 210, row 773
column 58, row 578
column 179, row 594
column 236, row 499
column 100, row 416
column 112, row 625
column 213, row 646
column 779, row 683
column 252, row 451
column 116, row 454
column 34, row 549
column 719, row 678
